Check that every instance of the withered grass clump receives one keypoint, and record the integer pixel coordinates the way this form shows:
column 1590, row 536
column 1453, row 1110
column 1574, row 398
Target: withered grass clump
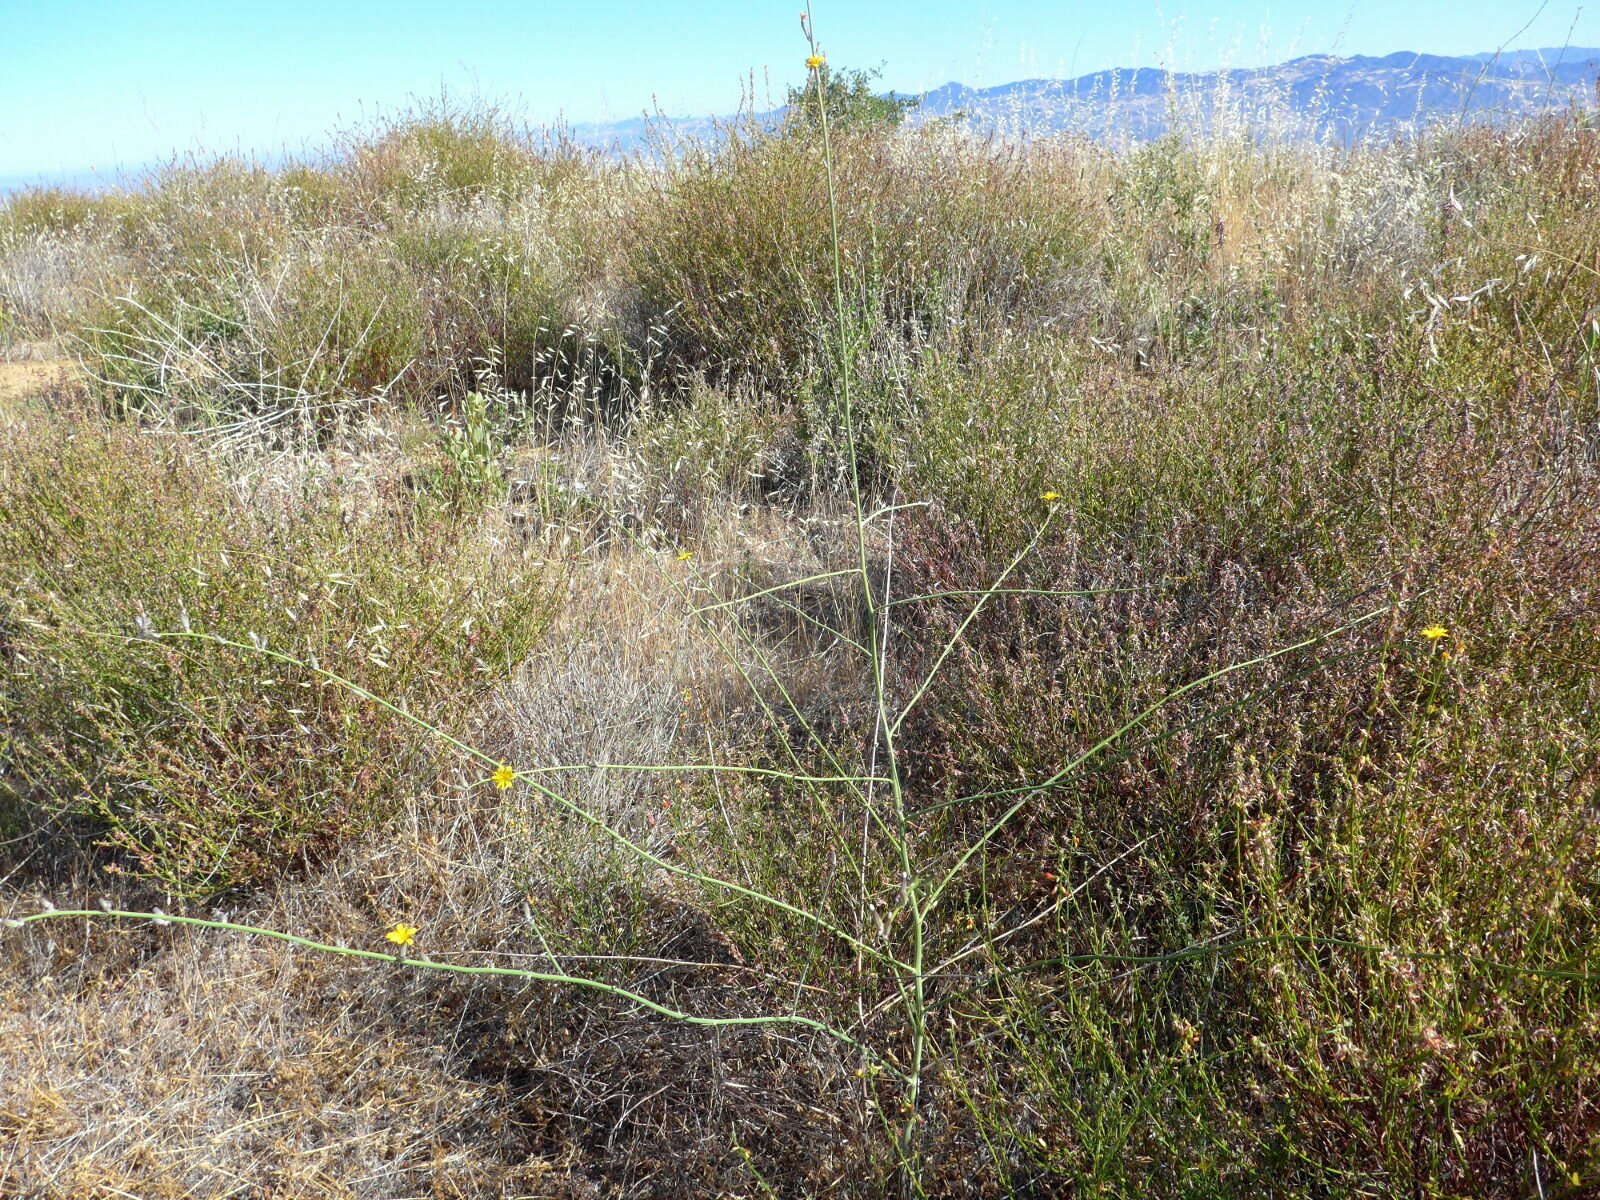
column 1080, row 666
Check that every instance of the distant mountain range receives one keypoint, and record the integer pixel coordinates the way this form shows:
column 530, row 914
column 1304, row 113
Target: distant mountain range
column 1317, row 95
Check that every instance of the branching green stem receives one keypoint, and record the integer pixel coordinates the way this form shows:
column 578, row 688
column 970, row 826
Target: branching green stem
column 428, row 964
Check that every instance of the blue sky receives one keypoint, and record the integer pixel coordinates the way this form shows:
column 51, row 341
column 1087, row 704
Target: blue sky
column 94, row 85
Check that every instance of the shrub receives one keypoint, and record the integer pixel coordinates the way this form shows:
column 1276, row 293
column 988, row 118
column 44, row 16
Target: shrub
column 1367, row 816
column 212, row 766
column 440, row 152
column 849, row 99
column 344, row 318
column 733, row 264
column 47, row 211
column 331, row 321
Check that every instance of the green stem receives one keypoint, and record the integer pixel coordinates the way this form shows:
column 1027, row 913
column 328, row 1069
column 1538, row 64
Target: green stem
column 1138, row 719
column 428, row 964
column 554, row 797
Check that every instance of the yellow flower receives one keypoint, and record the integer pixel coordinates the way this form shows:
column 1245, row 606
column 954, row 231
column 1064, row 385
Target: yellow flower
column 1434, row 632
column 1050, row 497
column 402, row 934
column 504, row 777
column 815, row 62
column 685, row 555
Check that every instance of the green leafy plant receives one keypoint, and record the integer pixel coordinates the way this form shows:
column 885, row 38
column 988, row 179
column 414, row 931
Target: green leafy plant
column 472, row 449
column 848, row 97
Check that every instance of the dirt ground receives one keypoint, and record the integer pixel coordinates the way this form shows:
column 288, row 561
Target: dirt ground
column 35, row 373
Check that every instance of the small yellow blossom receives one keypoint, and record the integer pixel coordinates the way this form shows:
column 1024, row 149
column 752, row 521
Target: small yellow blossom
column 685, row 555
column 1188, row 1035
column 402, row 934
column 815, row 62
column 504, row 777
column 1050, row 497
column 1434, row 632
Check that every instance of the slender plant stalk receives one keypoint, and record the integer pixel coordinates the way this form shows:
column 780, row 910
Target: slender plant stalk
column 565, row 802
column 428, row 964
column 913, row 982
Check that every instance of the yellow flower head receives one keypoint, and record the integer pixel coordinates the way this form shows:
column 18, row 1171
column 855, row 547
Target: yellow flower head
column 503, row 777
column 1050, row 497
column 685, row 555
column 1434, row 632
column 815, row 62
column 402, row 934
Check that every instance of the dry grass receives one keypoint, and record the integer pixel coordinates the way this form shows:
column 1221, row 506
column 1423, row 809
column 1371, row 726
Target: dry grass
column 164, row 1064
column 1319, row 927
column 167, row 1062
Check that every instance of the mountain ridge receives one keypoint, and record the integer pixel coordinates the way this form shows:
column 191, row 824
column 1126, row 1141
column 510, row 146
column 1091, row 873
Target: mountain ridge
column 1318, row 95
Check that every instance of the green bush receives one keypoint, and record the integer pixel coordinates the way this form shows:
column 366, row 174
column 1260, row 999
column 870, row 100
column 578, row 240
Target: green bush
column 848, row 96
column 49, row 210
column 346, row 319
column 333, row 320
column 937, row 236
column 212, row 766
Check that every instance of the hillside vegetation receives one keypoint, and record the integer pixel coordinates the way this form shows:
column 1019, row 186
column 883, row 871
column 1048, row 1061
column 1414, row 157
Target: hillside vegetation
column 1077, row 669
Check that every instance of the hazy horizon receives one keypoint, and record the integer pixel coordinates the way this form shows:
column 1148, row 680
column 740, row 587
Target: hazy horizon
column 119, row 89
